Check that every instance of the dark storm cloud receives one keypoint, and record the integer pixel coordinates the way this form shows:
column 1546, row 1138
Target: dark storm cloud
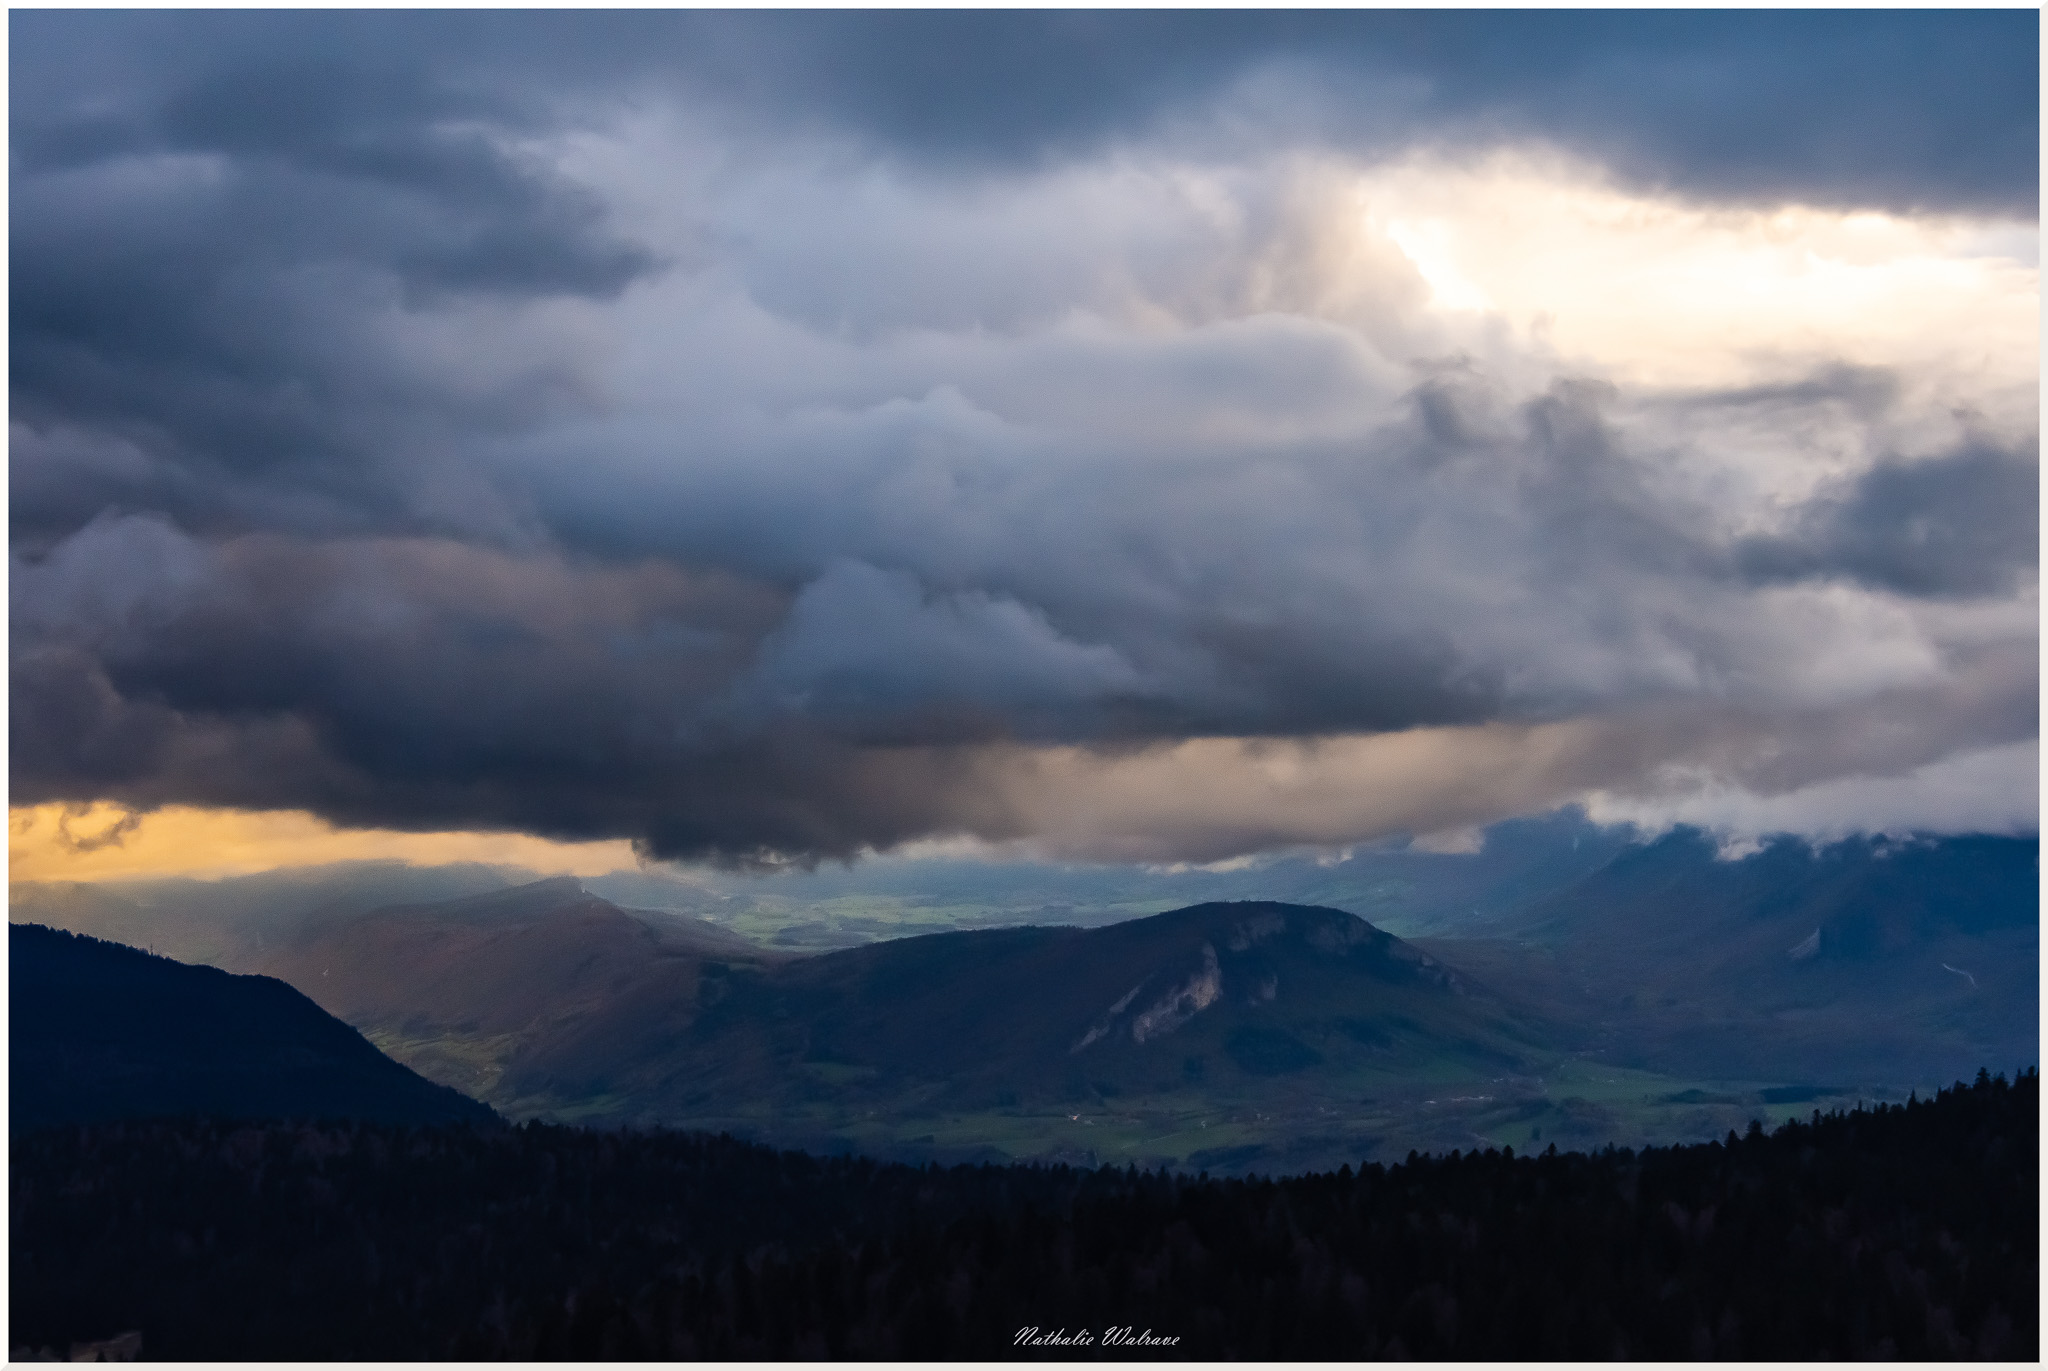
column 373, row 454
column 1964, row 524
column 1885, row 108
column 1892, row 108
column 426, row 684
column 201, row 251
column 767, row 800
column 1878, row 108
column 212, row 211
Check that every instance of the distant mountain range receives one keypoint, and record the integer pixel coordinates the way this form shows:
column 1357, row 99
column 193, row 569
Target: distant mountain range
column 98, row 1031
column 231, row 922
column 1865, row 960
column 1408, row 891
column 1589, row 992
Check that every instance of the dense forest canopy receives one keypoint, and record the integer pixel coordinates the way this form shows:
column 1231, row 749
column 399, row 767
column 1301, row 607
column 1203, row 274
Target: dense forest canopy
column 1900, row 1231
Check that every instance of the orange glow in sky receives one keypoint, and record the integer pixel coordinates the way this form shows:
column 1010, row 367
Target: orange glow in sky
column 103, row 842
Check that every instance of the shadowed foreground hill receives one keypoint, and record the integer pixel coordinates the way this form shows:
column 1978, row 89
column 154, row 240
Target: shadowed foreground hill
column 100, row 1031
column 1911, row 1231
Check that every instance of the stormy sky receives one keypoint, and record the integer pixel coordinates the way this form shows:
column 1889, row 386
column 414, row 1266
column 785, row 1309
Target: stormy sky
column 1127, row 437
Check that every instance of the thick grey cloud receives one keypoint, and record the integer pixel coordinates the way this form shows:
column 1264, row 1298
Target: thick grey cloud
column 1883, row 108
column 216, row 216
column 1964, row 524
column 426, row 682
column 207, row 254
column 766, row 435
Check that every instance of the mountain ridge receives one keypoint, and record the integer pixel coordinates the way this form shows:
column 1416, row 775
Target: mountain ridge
column 1838, row 962
column 1269, row 1005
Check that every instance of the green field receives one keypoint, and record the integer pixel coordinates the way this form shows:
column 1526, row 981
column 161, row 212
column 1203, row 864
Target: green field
column 1578, row 1105
column 827, row 924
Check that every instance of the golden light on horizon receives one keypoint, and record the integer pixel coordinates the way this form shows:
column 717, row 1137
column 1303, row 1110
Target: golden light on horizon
column 106, row 842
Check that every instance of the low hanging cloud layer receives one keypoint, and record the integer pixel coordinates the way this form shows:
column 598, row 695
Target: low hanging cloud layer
column 769, row 437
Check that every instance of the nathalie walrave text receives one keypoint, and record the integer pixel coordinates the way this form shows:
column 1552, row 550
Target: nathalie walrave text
column 1111, row 1337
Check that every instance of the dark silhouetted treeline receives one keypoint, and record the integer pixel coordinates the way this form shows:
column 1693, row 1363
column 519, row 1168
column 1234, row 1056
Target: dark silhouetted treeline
column 1907, row 1231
